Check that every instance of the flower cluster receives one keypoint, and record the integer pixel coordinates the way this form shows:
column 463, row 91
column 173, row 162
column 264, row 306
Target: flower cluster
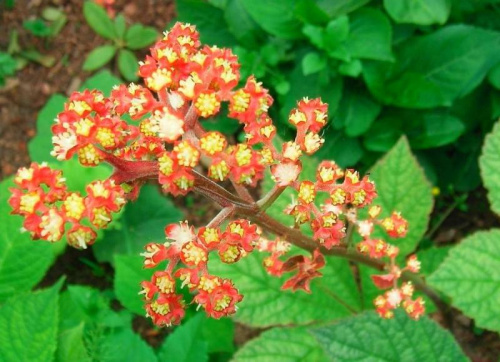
column 41, row 196
column 155, row 131
column 217, row 296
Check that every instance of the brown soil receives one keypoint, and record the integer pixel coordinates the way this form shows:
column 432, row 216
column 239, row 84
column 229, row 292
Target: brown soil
column 26, row 93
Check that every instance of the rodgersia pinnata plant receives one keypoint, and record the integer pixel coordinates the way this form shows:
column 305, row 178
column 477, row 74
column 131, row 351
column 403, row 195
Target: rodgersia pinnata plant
column 166, row 143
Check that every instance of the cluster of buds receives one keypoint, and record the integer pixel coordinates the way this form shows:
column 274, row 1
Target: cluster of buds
column 165, row 140
column 42, row 198
column 396, row 295
column 186, row 254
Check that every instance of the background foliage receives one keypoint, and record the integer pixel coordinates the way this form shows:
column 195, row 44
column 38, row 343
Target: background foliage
column 413, row 88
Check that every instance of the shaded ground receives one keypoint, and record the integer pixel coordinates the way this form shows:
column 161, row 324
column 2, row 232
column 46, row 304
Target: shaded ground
column 26, row 93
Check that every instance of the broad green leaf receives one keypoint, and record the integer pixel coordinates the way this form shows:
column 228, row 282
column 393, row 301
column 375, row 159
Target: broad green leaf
column 435, row 129
column 402, row 186
column 489, row 163
column 142, row 222
column 383, row 134
column 185, row 344
column 493, row 76
column 282, row 345
column 370, row 35
column 340, row 7
column 241, row 24
column 99, row 57
column 367, row 337
column 313, row 63
column 435, row 69
column 351, row 68
column 209, row 21
column 128, row 64
column 431, row 258
column 274, row 16
column 470, row 275
column 124, row 345
column 336, row 32
column 356, row 112
column 28, row 326
column 98, row 20
column 219, row 334
column 129, row 273
column 420, row 12
column 139, row 36
column 264, row 304
column 23, row 262
column 70, row 345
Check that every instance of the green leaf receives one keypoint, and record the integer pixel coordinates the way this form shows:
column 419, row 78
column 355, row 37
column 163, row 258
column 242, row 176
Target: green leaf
column 99, row 57
column 470, row 275
column 142, row 222
column 28, row 326
column 7, row 66
column 383, row 134
column 274, row 16
column 313, row 63
column 494, row 76
column 128, row 64
column 139, row 36
column 339, row 7
column 185, row 344
column 344, row 150
column 103, row 81
column 435, row 69
column 370, row 35
column 333, row 296
column 120, row 26
column 420, row 12
column 70, row 346
column 125, row 346
column 23, row 262
column 436, row 128
column 351, row 68
column 37, row 27
column 432, row 258
column 209, row 21
column 336, row 32
column 489, row 163
column 356, row 112
column 219, row 334
column 367, row 337
column 129, row 273
column 282, row 344
column 402, row 186
column 98, row 20
column 241, row 25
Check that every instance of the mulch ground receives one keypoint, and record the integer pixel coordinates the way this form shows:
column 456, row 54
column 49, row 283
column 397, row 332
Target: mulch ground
column 26, row 93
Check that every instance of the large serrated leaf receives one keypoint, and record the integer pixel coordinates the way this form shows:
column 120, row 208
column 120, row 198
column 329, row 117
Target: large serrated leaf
column 23, row 262
column 489, row 163
column 367, row 337
column 470, row 275
column 28, row 326
column 283, row 345
column 402, row 187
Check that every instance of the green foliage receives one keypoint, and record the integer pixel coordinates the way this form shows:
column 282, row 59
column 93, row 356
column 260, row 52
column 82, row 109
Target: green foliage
column 142, row 222
column 420, row 12
column 490, row 166
column 371, row 338
column 7, row 66
column 123, row 41
column 28, row 326
column 470, row 275
column 284, row 345
column 185, row 344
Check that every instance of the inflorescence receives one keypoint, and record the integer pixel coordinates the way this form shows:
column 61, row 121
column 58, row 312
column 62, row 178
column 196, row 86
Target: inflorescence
column 184, row 83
